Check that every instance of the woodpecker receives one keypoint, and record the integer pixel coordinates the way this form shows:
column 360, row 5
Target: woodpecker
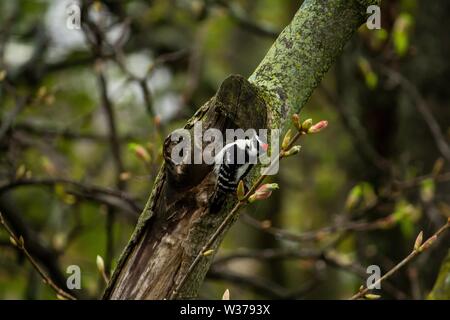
column 232, row 164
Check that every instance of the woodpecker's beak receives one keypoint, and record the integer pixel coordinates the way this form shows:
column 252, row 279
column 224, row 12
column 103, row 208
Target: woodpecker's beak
column 264, row 146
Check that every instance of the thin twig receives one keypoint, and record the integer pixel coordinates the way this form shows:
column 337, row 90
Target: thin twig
column 119, row 166
column 414, row 182
column 21, row 104
column 65, row 133
column 258, row 285
column 359, row 136
column 328, row 255
column 97, row 51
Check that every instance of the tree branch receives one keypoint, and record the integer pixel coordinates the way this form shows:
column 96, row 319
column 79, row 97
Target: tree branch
column 419, row 247
column 122, row 200
column 441, row 289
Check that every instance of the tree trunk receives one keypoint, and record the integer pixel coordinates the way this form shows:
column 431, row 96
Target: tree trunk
column 176, row 223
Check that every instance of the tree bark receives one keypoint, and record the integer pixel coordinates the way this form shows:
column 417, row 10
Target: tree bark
column 176, row 222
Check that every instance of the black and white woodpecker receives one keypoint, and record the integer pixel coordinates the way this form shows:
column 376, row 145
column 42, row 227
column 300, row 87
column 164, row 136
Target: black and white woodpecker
column 232, row 164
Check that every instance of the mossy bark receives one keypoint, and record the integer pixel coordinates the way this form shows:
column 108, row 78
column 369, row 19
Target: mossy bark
column 176, row 222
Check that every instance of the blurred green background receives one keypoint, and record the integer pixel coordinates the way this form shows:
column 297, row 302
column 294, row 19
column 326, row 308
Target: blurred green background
column 356, row 195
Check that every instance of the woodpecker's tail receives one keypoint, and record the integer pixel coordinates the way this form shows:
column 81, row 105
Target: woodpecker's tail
column 217, row 201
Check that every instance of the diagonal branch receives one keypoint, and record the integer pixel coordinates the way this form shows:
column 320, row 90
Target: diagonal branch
column 419, row 247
